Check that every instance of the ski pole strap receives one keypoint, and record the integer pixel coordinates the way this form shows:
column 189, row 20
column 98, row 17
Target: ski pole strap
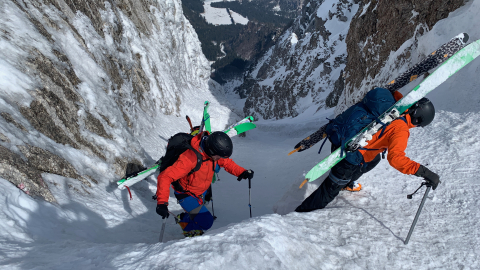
column 129, row 192
column 409, row 196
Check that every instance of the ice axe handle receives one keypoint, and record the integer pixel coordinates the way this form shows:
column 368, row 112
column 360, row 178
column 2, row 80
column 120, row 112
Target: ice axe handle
column 163, row 230
column 417, row 215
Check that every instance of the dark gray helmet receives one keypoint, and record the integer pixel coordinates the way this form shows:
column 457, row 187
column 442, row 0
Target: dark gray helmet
column 218, row 143
column 422, row 112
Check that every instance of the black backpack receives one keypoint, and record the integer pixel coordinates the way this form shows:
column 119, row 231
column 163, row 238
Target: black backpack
column 177, row 144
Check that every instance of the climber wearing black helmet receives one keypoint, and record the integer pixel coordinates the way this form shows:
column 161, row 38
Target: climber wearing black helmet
column 191, row 186
column 343, row 176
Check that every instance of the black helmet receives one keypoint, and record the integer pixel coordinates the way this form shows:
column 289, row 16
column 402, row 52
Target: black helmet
column 422, row 112
column 218, row 143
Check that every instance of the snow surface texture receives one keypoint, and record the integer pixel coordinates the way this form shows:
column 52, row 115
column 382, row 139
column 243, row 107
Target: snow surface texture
column 364, row 230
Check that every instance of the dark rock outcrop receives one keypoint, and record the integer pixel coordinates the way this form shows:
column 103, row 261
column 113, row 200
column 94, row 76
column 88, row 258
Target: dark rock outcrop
column 380, row 28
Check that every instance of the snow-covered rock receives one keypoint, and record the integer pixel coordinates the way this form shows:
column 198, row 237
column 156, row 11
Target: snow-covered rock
column 81, row 80
column 300, row 71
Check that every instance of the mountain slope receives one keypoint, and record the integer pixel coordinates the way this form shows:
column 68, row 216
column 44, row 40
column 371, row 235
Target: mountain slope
column 82, row 80
column 304, row 63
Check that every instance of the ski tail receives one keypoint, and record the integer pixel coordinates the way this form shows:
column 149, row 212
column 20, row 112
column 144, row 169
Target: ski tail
column 190, row 123
column 205, row 125
column 241, row 126
column 137, row 177
column 310, row 141
column 433, row 60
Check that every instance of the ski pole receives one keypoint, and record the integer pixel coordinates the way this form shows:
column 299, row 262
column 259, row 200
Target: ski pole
column 163, row 230
column 213, row 212
column 418, row 212
column 250, row 195
column 211, row 198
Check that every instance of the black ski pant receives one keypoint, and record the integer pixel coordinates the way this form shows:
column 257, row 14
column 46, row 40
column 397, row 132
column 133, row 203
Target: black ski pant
column 341, row 175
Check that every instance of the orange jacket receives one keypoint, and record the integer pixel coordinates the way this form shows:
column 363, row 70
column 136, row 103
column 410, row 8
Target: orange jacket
column 197, row 182
column 394, row 139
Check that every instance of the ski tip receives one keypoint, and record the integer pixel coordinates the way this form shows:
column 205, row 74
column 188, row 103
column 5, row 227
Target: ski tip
column 465, row 37
column 295, row 150
column 303, row 183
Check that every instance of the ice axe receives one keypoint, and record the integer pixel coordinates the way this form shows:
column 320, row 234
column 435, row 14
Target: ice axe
column 409, row 196
column 165, row 222
column 163, row 230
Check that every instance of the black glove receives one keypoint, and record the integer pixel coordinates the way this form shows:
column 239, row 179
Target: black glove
column 162, row 210
column 432, row 178
column 246, row 174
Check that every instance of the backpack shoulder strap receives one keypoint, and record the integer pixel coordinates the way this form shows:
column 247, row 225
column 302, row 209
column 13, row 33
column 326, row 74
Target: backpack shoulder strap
column 199, row 157
column 404, row 119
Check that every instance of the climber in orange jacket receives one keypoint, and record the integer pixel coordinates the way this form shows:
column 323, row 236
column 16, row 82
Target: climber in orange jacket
column 190, row 188
column 394, row 139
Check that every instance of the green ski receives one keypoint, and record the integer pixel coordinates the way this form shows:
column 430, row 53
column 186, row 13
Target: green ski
column 440, row 75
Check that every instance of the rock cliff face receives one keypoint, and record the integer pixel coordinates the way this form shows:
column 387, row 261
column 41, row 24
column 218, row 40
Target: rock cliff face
column 304, row 64
column 77, row 75
column 382, row 27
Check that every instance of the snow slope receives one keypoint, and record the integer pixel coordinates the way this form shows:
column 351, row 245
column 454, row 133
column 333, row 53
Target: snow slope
column 365, row 230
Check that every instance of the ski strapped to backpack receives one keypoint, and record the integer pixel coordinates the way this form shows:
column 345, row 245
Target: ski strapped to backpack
column 346, row 125
column 440, row 75
column 177, row 144
column 233, row 130
column 433, row 60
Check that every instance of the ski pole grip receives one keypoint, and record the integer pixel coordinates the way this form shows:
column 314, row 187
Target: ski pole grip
column 249, row 182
